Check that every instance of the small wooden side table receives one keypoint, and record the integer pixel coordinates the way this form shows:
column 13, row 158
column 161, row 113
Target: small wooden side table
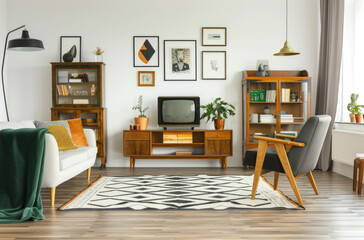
column 358, row 165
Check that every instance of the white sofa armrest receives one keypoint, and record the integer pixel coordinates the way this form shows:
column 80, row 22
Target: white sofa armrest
column 90, row 136
column 51, row 162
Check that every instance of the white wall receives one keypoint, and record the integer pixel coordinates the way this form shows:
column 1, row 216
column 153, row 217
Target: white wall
column 3, row 28
column 256, row 30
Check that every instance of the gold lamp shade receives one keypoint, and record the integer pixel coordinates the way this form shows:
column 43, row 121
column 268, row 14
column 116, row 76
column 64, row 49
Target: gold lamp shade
column 286, row 50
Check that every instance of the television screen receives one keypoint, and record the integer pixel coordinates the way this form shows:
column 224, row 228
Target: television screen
column 178, row 111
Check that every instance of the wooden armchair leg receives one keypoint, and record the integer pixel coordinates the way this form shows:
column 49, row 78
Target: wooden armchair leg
column 262, row 149
column 88, row 175
column 312, row 181
column 276, row 177
column 53, row 196
column 282, row 154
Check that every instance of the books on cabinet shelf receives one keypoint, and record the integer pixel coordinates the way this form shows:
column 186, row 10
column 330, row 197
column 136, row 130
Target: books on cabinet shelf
column 263, row 95
column 63, row 90
column 285, row 97
column 267, row 118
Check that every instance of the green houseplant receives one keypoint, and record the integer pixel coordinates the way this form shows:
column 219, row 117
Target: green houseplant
column 217, row 111
column 142, row 120
column 355, row 109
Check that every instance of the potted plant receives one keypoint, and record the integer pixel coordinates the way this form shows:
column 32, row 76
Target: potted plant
column 142, row 120
column 218, row 111
column 266, row 109
column 355, row 109
column 98, row 54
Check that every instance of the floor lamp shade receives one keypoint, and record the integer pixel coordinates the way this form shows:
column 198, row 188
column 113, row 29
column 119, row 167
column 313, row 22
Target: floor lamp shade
column 25, row 43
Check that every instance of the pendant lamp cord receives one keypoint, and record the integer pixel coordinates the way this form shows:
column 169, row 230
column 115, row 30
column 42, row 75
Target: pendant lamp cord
column 286, row 20
column 2, row 70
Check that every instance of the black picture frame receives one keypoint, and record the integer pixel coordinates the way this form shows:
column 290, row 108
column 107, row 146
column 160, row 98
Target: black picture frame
column 62, row 51
column 134, row 51
column 203, row 77
column 194, row 42
column 214, row 45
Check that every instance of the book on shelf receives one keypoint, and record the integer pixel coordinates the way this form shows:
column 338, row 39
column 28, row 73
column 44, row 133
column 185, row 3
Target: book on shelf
column 270, row 96
column 285, row 97
column 75, row 80
column 80, row 101
column 170, row 137
column 63, row 76
column 267, row 118
column 184, row 137
column 298, row 119
column 257, row 95
column 286, row 118
column 258, row 134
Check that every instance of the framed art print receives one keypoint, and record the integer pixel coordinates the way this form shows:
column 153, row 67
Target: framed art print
column 146, row 78
column 180, row 60
column 146, row 51
column 214, row 36
column 214, row 65
column 69, row 42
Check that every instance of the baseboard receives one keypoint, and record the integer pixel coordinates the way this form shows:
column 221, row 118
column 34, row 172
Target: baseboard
column 343, row 169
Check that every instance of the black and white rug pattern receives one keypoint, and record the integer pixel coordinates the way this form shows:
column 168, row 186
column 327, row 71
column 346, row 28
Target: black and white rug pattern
column 178, row 192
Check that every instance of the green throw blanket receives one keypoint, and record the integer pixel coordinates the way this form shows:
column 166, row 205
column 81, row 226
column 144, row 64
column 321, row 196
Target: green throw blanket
column 21, row 172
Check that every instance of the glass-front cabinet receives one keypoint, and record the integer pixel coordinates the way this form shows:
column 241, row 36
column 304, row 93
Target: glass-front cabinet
column 279, row 103
column 77, row 84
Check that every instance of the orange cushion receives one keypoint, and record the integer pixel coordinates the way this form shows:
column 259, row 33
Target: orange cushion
column 77, row 134
column 62, row 137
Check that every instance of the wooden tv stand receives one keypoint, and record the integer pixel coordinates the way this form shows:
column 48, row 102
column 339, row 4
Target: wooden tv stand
column 216, row 144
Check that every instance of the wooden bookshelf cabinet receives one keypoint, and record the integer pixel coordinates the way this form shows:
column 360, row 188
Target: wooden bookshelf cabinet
column 75, row 95
column 298, row 105
column 212, row 144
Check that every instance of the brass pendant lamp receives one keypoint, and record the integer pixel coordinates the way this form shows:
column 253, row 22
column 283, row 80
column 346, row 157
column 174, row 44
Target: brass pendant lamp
column 286, row 50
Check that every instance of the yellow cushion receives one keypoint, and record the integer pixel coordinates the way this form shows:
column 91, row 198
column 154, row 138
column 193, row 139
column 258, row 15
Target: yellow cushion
column 77, row 134
column 62, row 137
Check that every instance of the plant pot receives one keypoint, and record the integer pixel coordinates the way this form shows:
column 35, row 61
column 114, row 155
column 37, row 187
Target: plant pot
column 359, row 118
column 219, row 124
column 98, row 58
column 266, row 110
column 143, row 123
column 352, row 118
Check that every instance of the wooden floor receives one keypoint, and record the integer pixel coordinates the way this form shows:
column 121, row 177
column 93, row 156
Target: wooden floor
column 337, row 213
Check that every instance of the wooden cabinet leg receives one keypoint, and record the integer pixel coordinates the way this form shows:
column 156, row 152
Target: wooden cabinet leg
column 88, row 175
column 222, row 163
column 53, row 196
column 131, row 163
column 360, row 180
column 355, row 175
column 225, row 162
column 276, row 177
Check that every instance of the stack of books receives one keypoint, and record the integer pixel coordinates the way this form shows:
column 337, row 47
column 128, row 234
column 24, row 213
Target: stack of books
column 298, row 119
column 270, row 95
column 267, row 118
column 184, row 137
column 285, row 97
column 257, row 134
column 286, row 118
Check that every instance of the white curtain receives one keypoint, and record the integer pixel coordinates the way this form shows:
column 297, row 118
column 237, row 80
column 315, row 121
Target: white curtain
column 352, row 74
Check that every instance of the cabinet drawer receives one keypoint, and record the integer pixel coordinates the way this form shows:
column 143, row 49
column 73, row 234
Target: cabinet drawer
column 135, row 135
column 218, row 135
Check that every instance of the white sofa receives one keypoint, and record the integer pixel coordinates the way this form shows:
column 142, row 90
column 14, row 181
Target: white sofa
column 60, row 166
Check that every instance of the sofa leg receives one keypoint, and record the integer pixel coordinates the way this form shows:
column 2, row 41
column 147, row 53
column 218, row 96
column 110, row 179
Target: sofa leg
column 53, row 196
column 88, row 175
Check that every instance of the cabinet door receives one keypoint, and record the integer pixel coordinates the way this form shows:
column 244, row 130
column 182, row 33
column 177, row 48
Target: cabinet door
column 136, row 143
column 218, row 143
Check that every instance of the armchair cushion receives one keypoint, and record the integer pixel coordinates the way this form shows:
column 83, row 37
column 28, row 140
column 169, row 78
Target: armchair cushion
column 271, row 162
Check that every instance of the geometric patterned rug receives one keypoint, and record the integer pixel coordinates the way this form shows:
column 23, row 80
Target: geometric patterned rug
column 179, row 193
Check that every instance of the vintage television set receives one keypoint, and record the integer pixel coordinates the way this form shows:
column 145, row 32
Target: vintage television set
column 178, row 112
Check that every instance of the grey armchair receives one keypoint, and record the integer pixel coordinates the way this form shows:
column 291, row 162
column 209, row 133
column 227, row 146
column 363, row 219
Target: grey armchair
column 299, row 161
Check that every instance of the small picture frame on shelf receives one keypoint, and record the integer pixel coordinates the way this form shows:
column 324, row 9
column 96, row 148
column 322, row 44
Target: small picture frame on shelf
column 262, row 68
column 146, row 78
column 71, row 44
column 214, row 36
column 146, row 51
column 214, row 65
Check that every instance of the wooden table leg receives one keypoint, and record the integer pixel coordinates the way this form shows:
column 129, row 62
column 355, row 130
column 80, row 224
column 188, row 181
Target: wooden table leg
column 131, row 163
column 225, row 162
column 355, row 177
column 222, row 163
column 360, row 180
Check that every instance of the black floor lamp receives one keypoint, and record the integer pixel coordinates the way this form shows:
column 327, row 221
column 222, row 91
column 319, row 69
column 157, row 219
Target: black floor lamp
column 26, row 44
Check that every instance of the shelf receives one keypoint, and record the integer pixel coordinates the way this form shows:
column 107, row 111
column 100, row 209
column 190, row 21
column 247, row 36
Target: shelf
column 292, row 102
column 264, row 102
column 77, row 96
column 89, row 124
column 68, row 83
column 258, row 123
column 178, row 144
